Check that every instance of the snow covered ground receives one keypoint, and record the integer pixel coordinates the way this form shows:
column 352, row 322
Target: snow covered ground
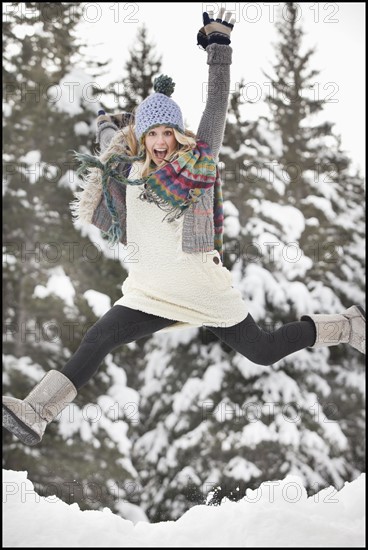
column 277, row 514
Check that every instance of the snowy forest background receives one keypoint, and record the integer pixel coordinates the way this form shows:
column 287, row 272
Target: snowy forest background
column 178, row 419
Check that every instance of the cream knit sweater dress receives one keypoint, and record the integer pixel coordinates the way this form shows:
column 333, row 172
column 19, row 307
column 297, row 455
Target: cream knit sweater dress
column 194, row 289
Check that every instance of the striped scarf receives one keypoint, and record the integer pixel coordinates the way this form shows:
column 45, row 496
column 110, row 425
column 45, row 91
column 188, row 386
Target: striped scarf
column 182, row 182
column 173, row 188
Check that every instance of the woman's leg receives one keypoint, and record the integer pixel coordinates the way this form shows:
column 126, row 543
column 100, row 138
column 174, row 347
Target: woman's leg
column 120, row 325
column 27, row 418
column 265, row 348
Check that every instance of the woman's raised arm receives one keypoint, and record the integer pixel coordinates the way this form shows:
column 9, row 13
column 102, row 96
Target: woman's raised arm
column 214, row 37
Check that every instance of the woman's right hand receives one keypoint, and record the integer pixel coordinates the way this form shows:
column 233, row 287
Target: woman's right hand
column 102, row 117
column 120, row 119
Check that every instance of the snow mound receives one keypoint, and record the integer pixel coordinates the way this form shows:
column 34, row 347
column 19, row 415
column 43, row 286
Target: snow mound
column 277, row 514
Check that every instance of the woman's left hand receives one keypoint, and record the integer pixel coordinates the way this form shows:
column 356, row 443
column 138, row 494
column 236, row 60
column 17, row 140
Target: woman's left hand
column 215, row 31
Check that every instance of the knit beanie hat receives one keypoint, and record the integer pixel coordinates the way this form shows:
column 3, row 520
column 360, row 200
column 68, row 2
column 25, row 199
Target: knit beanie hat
column 158, row 109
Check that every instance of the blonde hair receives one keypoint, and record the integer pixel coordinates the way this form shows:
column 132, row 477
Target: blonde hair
column 125, row 142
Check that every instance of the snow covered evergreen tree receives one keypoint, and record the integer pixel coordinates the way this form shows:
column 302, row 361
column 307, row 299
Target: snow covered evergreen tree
column 294, row 239
column 209, row 421
column 56, row 280
column 139, row 71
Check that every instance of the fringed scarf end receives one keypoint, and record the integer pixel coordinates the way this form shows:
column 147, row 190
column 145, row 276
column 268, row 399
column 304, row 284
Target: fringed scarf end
column 114, row 234
column 173, row 212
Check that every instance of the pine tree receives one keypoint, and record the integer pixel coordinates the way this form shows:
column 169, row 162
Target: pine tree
column 139, row 71
column 212, row 421
column 49, row 265
column 209, row 420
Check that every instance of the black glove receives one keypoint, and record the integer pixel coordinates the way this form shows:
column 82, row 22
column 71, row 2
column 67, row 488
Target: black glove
column 202, row 39
column 120, row 120
column 215, row 31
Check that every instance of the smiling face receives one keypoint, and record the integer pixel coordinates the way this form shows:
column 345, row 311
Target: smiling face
column 160, row 143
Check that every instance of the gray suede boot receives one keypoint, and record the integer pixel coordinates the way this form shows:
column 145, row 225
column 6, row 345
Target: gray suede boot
column 27, row 419
column 347, row 327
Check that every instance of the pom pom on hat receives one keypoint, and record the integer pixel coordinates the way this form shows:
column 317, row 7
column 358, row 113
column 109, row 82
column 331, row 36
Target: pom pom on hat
column 159, row 109
column 164, row 85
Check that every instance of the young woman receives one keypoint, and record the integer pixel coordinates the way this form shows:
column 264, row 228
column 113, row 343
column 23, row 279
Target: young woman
column 156, row 185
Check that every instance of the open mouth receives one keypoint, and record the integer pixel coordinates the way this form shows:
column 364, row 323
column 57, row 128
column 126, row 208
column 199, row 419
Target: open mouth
column 160, row 153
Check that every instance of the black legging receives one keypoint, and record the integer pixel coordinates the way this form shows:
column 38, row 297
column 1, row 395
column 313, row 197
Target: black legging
column 121, row 325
